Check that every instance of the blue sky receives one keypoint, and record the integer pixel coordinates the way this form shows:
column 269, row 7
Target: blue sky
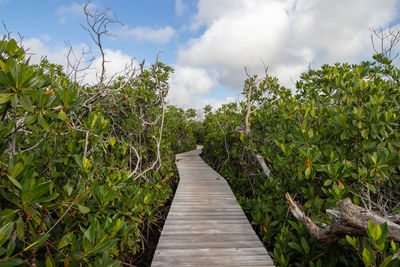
column 209, row 42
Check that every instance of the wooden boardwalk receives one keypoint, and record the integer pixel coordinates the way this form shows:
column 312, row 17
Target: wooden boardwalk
column 205, row 225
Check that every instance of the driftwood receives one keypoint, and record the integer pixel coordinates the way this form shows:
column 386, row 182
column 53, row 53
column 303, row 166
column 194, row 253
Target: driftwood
column 349, row 219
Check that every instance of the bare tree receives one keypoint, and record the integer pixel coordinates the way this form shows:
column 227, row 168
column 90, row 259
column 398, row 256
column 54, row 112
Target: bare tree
column 384, row 41
column 97, row 27
column 78, row 63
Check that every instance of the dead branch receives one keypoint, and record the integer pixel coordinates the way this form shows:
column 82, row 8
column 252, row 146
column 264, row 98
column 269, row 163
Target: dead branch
column 97, row 27
column 78, row 63
column 384, row 41
column 349, row 219
column 263, row 165
column 248, row 96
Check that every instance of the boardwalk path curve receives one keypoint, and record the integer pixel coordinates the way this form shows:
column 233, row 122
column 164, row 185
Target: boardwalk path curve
column 205, row 225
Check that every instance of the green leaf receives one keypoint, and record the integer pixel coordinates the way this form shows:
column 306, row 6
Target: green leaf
column 20, row 228
column 351, row 240
column 78, row 160
column 47, row 198
column 367, row 257
column 12, row 262
column 327, row 182
column 307, row 171
column 37, row 243
column 12, row 47
column 373, row 160
column 309, row 203
column 87, row 164
column 385, row 232
column 90, row 234
column 94, row 122
column 14, row 100
column 283, row 148
column 393, row 247
column 295, row 246
column 106, row 246
column 147, row 198
column 69, row 188
column 30, row 119
column 386, row 261
column 66, row 240
column 26, row 103
column 86, row 245
column 49, row 263
column 7, row 216
column 380, row 247
column 4, row 98
column 42, row 121
column 371, row 187
column 11, row 249
column 15, row 182
column 116, row 227
column 5, row 232
column 316, row 157
column 374, row 231
column 34, row 194
column 305, row 245
column 112, row 140
column 17, row 169
column 83, row 209
column 62, row 115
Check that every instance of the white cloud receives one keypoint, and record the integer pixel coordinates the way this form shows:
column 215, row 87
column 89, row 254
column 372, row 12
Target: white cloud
column 158, row 35
column 74, row 10
column 286, row 35
column 180, row 7
column 116, row 61
column 65, row 13
column 38, row 49
column 187, row 84
column 200, row 103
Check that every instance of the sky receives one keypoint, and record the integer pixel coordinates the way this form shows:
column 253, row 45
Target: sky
column 207, row 42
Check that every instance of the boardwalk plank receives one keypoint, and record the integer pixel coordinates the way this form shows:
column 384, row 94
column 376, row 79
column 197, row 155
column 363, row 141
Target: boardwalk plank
column 205, row 225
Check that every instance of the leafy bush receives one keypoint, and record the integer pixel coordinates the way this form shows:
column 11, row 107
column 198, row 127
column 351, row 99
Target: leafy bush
column 377, row 251
column 337, row 137
column 85, row 170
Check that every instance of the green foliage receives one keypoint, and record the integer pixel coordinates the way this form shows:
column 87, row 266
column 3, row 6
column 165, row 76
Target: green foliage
column 337, row 137
column 376, row 250
column 84, row 170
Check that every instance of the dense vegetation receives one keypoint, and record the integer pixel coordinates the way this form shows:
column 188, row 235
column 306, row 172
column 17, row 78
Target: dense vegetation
column 337, row 137
column 85, row 170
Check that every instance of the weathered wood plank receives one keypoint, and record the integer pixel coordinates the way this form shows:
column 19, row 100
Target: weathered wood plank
column 184, row 244
column 250, row 260
column 212, row 251
column 205, row 225
column 210, row 237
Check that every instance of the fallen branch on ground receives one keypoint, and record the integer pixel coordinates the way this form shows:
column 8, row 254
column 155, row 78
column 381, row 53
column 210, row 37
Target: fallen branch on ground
column 349, row 219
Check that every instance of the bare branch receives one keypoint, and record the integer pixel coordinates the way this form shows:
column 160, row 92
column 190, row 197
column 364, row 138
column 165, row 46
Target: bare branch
column 97, row 27
column 36, row 145
column 387, row 40
column 348, row 220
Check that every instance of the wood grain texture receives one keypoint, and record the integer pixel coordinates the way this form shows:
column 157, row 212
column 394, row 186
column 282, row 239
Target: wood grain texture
column 205, row 225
